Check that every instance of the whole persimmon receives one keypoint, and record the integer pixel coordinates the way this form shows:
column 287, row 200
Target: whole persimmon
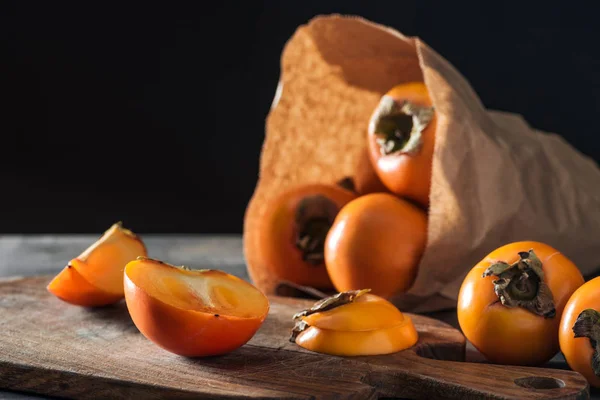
column 579, row 334
column 376, row 242
column 291, row 235
column 401, row 139
column 510, row 304
column 366, row 180
column 192, row 313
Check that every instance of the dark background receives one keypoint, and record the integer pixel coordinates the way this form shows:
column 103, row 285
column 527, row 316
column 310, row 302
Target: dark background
column 154, row 114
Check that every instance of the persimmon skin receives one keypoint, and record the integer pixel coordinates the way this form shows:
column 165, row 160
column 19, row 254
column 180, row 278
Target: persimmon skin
column 578, row 351
column 187, row 332
column 366, row 179
column 71, row 287
column 515, row 336
column 376, row 242
column 278, row 253
column 407, row 175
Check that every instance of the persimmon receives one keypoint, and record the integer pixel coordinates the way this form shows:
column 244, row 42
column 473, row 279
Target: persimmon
column 401, row 139
column 366, row 180
column 192, row 313
column 353, row 323
column 95, row 277
column 376, row 241
column 579, row 334
column 510, row 303
column 291, row 235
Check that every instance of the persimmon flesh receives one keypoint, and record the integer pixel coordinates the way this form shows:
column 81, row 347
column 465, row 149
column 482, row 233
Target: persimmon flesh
column 401, row 139
column 292, row 233
column 376, row 241
column 510, row 304
column 360, row 324
column 95, row 277
column 368, row 312
column 72, row 288
column 192, row 313
column 579, row 334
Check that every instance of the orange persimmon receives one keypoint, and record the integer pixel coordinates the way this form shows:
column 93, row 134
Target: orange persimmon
column 579, row 331
column 401, row 138
column 95, row 277
column 376, row 241
column 291, row 234
column 192, row 313
column 354, row 323
column 366, row 180
column 510, row 304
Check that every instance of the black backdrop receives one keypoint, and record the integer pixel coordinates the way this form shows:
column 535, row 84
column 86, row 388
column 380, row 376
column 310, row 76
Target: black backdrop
column 154, row 114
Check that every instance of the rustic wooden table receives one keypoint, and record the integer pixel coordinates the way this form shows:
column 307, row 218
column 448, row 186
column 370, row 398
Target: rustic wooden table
column 47, row 254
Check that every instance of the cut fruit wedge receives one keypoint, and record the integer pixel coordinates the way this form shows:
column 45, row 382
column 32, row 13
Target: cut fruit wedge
column 354, row 323
column 359, row 343
column 192, row 313
column 95, row 277
column 366, row 313
column 71, row 287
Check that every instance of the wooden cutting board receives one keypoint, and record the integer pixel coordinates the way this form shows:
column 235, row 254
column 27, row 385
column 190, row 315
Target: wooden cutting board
column 52, row 348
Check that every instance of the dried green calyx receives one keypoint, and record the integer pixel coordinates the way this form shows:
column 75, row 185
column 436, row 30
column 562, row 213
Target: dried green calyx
column 399, row 125
column 314, row 217
column 587, row 325
column 522, row 285
column 326, row 304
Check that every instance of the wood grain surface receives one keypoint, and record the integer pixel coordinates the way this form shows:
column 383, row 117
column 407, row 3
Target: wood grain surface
column 53, row 348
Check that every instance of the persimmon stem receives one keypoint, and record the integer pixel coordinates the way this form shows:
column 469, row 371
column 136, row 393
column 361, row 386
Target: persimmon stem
column 587, row 325
column 314, row 217
column 326, row 304
column 522, row 285
column 399, row 126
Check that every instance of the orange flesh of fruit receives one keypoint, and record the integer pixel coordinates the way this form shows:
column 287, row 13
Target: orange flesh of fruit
column 102, row 263
column 368, row 312
column 71, row 287
column 360, row 343
column 206, row 291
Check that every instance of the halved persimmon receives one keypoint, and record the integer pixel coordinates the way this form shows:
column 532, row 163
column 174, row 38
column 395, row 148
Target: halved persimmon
column 354, row 323
column 95, row 277
column 192, row 313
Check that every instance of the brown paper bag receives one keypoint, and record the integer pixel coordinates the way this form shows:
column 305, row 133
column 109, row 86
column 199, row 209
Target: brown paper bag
column 495, row 179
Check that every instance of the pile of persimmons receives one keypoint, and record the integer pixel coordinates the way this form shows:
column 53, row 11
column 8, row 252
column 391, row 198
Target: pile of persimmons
column 360, row 239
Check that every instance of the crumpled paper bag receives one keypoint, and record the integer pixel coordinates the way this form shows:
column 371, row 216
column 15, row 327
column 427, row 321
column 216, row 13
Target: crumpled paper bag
column 495, row 179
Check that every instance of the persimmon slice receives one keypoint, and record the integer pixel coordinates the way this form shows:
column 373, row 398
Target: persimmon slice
column 192, row 312
column 368, row 312
column 95, row 277
column 359, row 343
column 102, row 263
column 71, row 287
column 353, row 323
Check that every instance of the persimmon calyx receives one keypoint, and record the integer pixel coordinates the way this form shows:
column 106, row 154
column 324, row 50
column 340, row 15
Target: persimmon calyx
column 314, row 217
column 587, row 325
column 399, row 126
column 326, row 304
column 347, row 183
column 522, row 285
